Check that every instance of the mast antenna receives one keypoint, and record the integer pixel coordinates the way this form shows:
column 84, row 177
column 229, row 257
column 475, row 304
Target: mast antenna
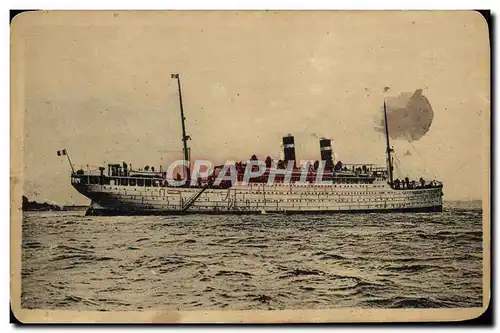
column 185, row 137
column 388, row 146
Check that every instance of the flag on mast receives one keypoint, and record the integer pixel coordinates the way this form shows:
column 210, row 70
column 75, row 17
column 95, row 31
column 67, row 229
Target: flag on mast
column 61, row 152
column 175, row 76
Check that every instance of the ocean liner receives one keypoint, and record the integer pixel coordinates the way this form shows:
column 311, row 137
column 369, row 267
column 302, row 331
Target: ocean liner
column 256, row 187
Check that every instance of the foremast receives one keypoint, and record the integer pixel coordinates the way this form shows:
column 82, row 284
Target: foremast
column 185, row 137
column 388, row 150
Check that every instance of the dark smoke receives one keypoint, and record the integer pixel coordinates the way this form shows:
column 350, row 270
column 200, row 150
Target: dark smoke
column 409, row 116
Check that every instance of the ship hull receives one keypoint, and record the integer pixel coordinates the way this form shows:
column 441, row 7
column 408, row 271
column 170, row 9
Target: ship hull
column 260, row 199
column 110, row 212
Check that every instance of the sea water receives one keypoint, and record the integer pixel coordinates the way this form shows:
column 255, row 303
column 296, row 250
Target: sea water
column 253, row 262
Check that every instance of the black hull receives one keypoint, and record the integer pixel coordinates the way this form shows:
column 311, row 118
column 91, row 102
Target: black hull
column 109, row 212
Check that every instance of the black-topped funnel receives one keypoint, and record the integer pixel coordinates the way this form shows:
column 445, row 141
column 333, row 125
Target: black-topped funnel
column 325, row 146
column 289, row 148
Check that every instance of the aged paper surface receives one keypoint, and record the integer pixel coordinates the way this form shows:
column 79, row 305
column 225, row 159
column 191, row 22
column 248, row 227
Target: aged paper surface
column 101, row 88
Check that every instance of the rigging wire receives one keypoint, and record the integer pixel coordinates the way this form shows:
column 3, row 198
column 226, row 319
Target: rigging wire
column 397, row 166
column 425, row 164
column 399, row 163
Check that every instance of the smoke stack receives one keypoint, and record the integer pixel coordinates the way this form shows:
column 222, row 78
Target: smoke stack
column 325, row 146
column 289, row 148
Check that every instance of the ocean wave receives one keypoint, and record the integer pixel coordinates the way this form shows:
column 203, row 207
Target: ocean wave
column 32, row 245
column 421, row 302
column 69, row 300
column 233, row 273
column 302, row 272
column 331, row 256
column 80, row 257
column 263, row 299
column 252, row 262
column 71, row 249
column 402, row 302
column 411, row 268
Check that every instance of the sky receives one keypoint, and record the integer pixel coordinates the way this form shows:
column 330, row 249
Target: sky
column 99, row 85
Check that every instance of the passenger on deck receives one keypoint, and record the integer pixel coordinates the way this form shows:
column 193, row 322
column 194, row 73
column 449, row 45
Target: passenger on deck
column 125, row 169
column 269, row 162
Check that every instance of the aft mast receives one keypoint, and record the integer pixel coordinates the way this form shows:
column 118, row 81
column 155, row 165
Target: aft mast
column 184, row 136
column 388, row 146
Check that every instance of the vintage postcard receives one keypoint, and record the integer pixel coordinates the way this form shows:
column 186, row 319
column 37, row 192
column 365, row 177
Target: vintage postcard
column 250, row 166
